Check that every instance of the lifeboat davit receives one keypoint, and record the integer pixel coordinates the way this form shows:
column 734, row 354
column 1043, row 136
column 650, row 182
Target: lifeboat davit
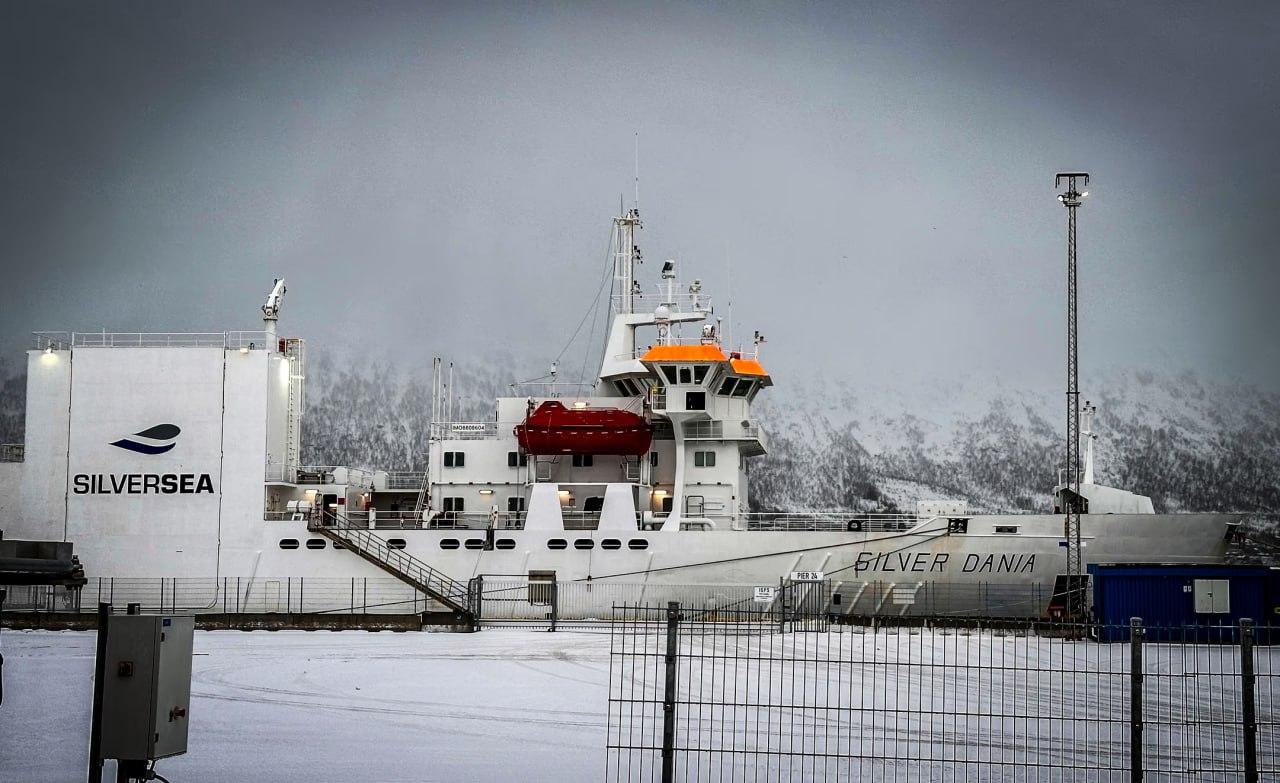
column 555, row 429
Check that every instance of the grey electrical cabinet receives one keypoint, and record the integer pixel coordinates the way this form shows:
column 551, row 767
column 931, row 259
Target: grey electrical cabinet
column 147, row 686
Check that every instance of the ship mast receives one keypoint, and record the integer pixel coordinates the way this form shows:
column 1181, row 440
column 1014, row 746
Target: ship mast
column 1072, row 199
column 626, row 255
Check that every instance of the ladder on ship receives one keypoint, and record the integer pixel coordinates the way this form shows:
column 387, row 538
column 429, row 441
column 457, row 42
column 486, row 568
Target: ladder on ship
column 453, row 594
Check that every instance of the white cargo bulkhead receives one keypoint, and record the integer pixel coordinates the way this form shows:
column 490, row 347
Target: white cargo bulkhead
column 151, row 457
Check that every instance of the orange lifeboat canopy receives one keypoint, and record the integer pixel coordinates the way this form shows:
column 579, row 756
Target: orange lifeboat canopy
column 555, row 429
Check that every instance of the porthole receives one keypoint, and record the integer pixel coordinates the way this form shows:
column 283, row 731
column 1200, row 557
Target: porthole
column 474, row 543
column 557, row 543
column 396, row 543
column 638, row 543
column 611, row 543
column 505, row 543
column 449, row 543
column 288, row 543
column 315, row 543
column 584, row 543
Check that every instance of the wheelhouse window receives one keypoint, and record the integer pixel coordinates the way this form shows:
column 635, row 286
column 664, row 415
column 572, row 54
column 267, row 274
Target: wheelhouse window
column 583, row 460
column 743, row 388
column 669, row 372
column 699, row 373
column 704, row 459
column 695, row 401
column 726, row 388
column 455, row 459
column 686, row 375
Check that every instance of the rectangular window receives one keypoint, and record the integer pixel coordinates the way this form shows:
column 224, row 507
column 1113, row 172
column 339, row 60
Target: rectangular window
column 1006, row 528
column 653, row 458
column 704, row 459
column 743, row 389
column 670, row 372
column 583, row 460
column 455, row 459
column 517, row 459
column 453, row 504
column 686, row 375
column 699, row 373
column 515, row 504
column 726, row 388
column 695, row 401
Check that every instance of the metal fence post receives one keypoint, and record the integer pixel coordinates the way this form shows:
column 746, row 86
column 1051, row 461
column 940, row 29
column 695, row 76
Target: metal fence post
column 1248, row 703
column 1136, row 633
column 555, row 604
column 669, row 694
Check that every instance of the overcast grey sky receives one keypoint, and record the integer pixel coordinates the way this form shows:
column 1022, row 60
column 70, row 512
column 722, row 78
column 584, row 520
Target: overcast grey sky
column 434, row 178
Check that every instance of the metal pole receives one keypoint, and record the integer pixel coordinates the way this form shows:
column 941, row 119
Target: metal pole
column 1136, row 634
column 1248, row 702
column 555, row 604
column 669, row 694
column 3, row 594
column 1071, row 199
column 99, row 676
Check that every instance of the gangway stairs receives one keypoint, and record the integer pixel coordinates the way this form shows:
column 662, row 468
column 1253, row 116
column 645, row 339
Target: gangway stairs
column 453, row 594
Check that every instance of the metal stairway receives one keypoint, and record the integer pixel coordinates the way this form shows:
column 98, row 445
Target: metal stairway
column 403, row 566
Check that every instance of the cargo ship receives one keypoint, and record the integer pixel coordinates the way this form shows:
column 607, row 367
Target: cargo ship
column 178, row 456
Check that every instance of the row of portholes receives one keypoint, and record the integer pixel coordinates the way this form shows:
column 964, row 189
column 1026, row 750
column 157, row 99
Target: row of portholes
column 312, row 543
column 478, row 543
column 555, row 543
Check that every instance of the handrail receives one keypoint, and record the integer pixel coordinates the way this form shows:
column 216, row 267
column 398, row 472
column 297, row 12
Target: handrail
column 431, row 581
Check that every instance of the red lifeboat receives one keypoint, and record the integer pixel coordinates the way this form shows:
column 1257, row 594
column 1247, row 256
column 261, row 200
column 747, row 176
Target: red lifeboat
column 555, row 429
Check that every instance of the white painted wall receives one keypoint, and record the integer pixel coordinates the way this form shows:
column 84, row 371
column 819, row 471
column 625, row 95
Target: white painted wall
column 119, row 391
column 43, row 493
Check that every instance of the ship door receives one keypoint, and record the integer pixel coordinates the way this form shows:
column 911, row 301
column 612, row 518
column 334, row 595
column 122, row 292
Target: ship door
column 693, row 505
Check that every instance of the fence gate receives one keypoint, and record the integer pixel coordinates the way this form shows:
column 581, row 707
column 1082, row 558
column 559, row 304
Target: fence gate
column 804, row 604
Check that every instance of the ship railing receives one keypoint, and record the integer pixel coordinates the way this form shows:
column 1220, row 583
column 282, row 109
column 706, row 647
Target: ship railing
column 320, row 474
column 63, row 340
column 833, row 521
column 552, row 388
column 405, row 480
column 658, row 400
column 474, row 520
column 1064, row 476
column 12, row 452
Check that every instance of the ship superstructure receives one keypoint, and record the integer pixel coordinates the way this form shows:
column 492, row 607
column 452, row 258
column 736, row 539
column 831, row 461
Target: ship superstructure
column 177, row 455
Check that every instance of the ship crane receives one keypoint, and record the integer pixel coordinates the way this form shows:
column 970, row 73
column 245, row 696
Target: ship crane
column 271, row 310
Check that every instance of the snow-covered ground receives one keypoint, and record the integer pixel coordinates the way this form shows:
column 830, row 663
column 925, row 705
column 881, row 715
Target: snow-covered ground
column 532, row 706
column 318, row 706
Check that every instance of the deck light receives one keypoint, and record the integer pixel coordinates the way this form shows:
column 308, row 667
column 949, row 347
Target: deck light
column 486, row 492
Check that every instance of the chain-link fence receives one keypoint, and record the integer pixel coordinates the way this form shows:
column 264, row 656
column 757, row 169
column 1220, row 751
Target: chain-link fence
column 729, row 697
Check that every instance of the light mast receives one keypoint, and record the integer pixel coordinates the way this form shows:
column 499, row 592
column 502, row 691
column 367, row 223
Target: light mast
column 1072, row 199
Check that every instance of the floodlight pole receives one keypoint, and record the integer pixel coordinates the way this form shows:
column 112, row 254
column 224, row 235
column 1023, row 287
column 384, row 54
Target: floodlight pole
column 1071, row 199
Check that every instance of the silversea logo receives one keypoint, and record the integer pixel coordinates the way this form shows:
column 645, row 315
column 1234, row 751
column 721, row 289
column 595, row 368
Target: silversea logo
column 153, row 440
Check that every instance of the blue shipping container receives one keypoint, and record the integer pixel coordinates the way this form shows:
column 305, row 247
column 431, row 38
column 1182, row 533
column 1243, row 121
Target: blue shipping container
column 1202, row 603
